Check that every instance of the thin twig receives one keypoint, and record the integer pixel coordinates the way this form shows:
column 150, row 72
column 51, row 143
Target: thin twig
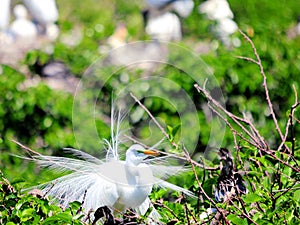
column 200, row 186
column 265, row 85
column 27, row 148
column 290, row 125
column 151, row 116
column 244, row 214
column 259, row 143
column 166, row 207
column 167, row 136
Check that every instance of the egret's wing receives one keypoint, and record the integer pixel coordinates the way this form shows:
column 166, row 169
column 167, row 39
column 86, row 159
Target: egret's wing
column 154, row 216
column 164, row 172
column 85, row 184
column 83, row 155
column 63, row 164
column 164, row 167
column 165, row 184
column 89, row 188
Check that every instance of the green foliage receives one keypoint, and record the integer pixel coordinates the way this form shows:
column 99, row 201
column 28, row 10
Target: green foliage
column 41, row 118
column 17, row 208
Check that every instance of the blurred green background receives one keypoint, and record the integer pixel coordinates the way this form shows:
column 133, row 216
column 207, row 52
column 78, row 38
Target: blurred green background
column 41, row 118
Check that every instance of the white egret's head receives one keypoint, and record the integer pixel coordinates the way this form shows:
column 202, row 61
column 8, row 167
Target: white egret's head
column 137, row 153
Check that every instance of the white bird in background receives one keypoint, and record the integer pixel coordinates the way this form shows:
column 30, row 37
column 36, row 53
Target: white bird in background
column 22, row 27
column 110, row 182
column 164, row 27
column 161, row 23
column 224, row 26
column 5, row 37
column 216, row 9
column 4, row 14
column 182, row 7
column 45, row 13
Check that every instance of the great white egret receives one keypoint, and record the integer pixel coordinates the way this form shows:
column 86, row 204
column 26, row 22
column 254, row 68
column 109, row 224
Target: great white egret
column 22, row 27
column 163, row 27
column 216, row 9
column 109, row 182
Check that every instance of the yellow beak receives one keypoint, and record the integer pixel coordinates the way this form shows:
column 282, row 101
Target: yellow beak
column 150, row 152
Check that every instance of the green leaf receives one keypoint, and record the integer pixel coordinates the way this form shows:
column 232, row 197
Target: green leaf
column 237, row 220
column 61, row 217
column 175, row 130
column 252, row 197
column 10, row 223
column 297, row 195
column 27, row 214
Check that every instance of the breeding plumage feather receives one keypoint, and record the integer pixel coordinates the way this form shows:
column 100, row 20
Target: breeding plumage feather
column 109, row 182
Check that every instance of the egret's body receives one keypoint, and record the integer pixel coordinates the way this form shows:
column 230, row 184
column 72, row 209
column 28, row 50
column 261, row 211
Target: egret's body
column 45, row 13
column 4, row 14
column 112, row 182
column 216, row 9
column 164, row 27
column 22, row 27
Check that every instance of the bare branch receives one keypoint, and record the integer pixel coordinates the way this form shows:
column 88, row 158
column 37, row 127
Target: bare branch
column 26, row 148
column 167, row 136
column 258, row 139
column 152, row 117
column 265, row 85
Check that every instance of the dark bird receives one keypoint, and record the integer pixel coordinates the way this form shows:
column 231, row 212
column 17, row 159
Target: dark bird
column 230, row 181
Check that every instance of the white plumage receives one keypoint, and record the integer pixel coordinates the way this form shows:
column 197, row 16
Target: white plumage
column 164, row 27
column 216, row 9
column 22, row 27
column 45, row 13
column 182, row 7
column 4, row 14
column 111, row 182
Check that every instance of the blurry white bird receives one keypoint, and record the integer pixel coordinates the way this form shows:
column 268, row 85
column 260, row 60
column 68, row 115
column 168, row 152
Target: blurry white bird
column 223, row 29
column 22, row 27
column 163, row 27
column 5, row 36
column 161, row 20
column 224, row 26
column 109, row 182
column 182, row 7
column 45, row 13
column 4, row 14
column 216, row 9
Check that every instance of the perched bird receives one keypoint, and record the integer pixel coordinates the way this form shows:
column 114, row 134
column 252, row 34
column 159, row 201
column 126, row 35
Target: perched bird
column 45, row 13
column 163, row 27
column 216, row 9
column 230, row 182
column 182, row 7
column 112, row 182
column 223, row 25
column 224, row 29
column 22, row 27
column 5, row 36
column 4, row 14
column 161, row 20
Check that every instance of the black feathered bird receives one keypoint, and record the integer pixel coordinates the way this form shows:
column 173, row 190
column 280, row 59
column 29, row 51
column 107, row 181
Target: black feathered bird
column 230, row 182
